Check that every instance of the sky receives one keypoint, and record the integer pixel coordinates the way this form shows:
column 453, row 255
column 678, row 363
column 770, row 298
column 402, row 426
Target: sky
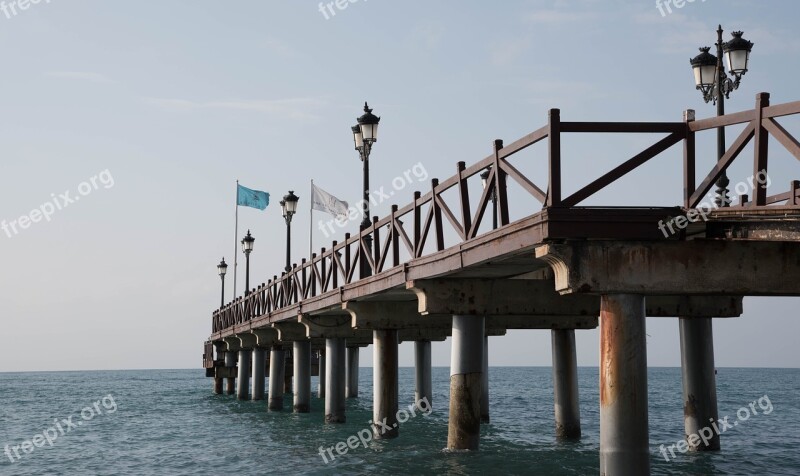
column 128, row 123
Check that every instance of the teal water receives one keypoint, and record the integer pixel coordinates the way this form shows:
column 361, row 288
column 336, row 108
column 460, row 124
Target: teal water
column 169, row 423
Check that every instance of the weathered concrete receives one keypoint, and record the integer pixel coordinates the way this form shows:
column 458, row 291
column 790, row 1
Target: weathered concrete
column 277, row 367
column 565, row 384
column 259, row 371
column 466, row 368
column 230, row 362
column 351, row 371
column 384, row 412
column 624, row 438
column 700, row 267
column 423, row 386
column 334, row 380
column 243, row 386
column 302, row 376
column 699, row 382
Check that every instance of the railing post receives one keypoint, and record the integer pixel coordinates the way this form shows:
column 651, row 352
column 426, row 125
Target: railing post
column 500, row 183
column 689, row 150
column 761, row 146
column 463, row 192
column 437, row 216
column 554, row 159
column 794, row 186
column 334, row 265
column 347, row 263
column 323, row 274
column 417, row 224
column 395, row 239
column 376, row 245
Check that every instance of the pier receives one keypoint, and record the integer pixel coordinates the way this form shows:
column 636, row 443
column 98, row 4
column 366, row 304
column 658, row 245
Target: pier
column 435, row 273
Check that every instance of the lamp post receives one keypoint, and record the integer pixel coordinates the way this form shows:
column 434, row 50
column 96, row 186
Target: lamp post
column 365, row 133
column 289, row 207
column 222, row 268
column 715, row 85
column 247, row 247
column 493, row 197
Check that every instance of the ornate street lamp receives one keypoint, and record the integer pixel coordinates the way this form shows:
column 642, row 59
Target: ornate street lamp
column 289, row 207
column 222, row 268
column 365, row 133
column 715, row 85
column 493, row 196
column 247, row 247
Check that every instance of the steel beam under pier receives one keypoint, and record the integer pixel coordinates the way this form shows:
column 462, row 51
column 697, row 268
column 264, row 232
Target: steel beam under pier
column 334, row 380
column 302, row 376
column 322, row 372
column 351, row 389
column 699, row 382
column 277, row 367
column 485, row 381
column 624, row 439
column 384, row 411
column 466, row 368
column 565, row 384
column 422, row 366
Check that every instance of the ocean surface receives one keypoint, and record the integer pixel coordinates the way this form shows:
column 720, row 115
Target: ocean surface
column 168, row 422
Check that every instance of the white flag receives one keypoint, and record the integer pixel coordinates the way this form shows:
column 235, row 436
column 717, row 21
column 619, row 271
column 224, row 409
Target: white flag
column 325, row 202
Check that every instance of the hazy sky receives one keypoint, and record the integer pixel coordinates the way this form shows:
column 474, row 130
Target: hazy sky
column 147, row 113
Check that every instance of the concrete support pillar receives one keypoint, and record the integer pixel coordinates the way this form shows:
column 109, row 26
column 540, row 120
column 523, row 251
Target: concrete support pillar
column 302, row 376
column 384, row 383
column 277, row 367
column 288, row 370
column 334, row 380
column 230, row 361
column 624, row 438
column 565, row 384
column 422, row 363
column 485, row 381
column 243, row 385
column 351, row 371
column 259, row 362
column 466, row 369
column 321, row 387
column 699, row 382
column 217, row 386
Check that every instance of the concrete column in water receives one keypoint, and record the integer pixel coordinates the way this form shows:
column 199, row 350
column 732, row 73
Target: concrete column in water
column 624, row 438
column 351, row 371
column 243, row 387
column 230, row 362
column 259, row 362
column 699, row 382
column 384, row 384
column 288, row 371
column 422, row 366
column 321, row 387
column 485, row 381
column 302, row 376
column 565, row 384
column 218, row 380
column 277, row 359
column 466, row 369
column 334, row 380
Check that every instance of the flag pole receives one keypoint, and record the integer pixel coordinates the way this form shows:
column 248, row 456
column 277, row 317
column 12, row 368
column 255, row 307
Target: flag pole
column 236, row 242
column 311, row 221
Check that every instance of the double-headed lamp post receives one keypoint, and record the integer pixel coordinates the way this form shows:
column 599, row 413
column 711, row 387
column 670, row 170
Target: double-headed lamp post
column 247, row 247
column 222, row 268
column 365, row 133
column 492, row 197
column 289, row 207
column 710, row 79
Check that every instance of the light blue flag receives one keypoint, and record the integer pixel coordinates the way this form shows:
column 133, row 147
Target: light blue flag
column 252, row 198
